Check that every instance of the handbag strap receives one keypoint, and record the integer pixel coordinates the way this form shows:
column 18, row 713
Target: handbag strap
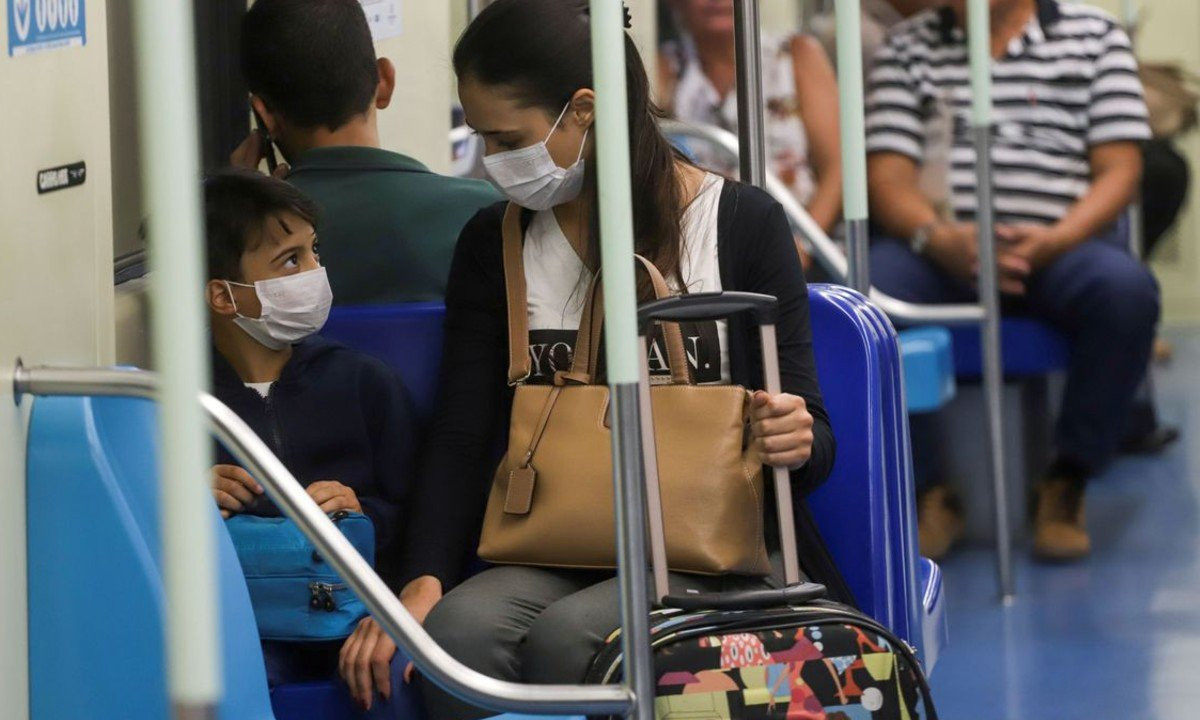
column 585, row 360
column 586, row 357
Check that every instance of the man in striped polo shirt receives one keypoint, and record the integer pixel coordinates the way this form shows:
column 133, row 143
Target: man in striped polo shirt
column 1069, row 116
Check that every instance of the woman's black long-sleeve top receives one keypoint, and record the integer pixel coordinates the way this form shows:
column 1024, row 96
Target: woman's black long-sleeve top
column 756, row 253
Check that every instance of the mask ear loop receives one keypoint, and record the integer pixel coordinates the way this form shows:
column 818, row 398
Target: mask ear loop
column 582, row 145
column 232, row 299
column 554, row 127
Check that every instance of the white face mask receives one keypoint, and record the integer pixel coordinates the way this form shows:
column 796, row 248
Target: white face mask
column 293, row 307
column 531, row 179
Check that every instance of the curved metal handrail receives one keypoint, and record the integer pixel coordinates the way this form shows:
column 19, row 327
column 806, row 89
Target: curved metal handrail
column 283, row 488
column 825, row 250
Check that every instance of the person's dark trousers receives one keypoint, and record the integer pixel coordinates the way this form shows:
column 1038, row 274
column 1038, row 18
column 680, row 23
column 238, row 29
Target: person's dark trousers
column 1102, row 299
column 1165, row 180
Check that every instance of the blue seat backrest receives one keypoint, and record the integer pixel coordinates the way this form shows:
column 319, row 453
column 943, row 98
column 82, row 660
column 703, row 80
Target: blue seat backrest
column 851, row 507
column 408, row 337
column 899, row 482
column 96, row 598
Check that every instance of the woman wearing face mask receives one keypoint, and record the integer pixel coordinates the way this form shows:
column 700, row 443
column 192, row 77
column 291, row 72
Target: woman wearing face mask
column 525, row 81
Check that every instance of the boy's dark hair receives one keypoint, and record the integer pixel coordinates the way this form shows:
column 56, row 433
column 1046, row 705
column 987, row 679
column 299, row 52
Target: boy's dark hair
column 312, row 61
column 237, row 204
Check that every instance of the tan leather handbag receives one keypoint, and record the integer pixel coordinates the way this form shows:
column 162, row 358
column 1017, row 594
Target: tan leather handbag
column 551, row 502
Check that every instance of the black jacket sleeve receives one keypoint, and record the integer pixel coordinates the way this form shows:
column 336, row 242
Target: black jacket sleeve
column 451, row 491
column 392, row 434
column 764, row 260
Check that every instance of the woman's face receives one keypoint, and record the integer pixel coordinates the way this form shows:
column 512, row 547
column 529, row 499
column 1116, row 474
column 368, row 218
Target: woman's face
column 505, row 124
column 706, row 18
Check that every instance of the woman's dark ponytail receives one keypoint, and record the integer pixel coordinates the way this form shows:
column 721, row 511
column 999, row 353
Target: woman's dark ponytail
column 542, row 49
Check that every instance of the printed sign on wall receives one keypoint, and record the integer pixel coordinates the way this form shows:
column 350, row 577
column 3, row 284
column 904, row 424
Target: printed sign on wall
column 384, row 18
column 37, row 25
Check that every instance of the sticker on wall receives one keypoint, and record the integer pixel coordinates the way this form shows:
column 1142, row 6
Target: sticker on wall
column 61, row 178
column 384, row 18
column 39, row 25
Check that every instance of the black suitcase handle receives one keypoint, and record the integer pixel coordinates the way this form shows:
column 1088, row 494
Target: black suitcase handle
column 697, row 307
column 747, row 599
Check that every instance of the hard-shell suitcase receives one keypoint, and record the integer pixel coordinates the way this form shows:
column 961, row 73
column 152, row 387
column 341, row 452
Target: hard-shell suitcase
column 786, row 654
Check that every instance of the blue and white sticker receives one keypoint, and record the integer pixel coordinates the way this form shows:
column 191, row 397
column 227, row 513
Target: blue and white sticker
column 37, row 25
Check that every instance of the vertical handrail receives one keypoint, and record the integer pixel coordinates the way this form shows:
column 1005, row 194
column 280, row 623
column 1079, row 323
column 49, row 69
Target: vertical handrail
column 615, row 199
column 168, row 129
column 854, row 143
column 752, row 144
column 980, row 45
column 1131, row 16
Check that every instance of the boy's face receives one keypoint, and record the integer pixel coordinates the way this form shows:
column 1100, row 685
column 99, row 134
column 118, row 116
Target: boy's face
column 287, row 245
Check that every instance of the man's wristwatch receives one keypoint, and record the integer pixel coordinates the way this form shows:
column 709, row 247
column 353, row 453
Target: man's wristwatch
column 920, row 238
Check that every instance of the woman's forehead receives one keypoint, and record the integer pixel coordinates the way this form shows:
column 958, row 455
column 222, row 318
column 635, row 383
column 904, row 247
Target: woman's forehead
column 494, row 108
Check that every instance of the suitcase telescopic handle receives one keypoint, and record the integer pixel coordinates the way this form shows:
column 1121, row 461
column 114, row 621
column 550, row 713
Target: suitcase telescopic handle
column 696, row 307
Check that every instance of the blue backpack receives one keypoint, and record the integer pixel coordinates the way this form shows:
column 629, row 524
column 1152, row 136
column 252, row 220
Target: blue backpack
column 297, row 595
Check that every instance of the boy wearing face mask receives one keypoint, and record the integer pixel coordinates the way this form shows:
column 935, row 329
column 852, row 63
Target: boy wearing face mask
column 337, row 419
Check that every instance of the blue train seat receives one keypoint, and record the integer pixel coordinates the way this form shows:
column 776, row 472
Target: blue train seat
column 1031, row 348
column 867, row 507
column 96, row 605
column 928, row 361
column 408, row 337
column 919, row 575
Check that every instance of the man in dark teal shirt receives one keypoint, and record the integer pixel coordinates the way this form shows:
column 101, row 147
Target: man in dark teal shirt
column 388, row 224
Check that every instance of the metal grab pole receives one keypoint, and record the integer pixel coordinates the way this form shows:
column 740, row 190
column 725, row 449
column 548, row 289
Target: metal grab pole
column 752, row 144
column 979, row 31
column 620, row 314
column 854, row 143
column 1131, row 11
column 170, row 173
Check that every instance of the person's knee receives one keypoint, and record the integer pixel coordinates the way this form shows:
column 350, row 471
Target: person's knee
column 1125, row 297
column 559, row 647
column 456, row 624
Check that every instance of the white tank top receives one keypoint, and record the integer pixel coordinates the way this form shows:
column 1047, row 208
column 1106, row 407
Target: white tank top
column 556, row 283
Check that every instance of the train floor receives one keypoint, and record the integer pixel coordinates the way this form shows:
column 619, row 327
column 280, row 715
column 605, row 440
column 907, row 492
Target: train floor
column 1117, row 636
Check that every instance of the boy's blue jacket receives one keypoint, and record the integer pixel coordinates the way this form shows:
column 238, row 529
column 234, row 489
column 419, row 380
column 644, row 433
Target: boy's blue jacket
column 334, row 414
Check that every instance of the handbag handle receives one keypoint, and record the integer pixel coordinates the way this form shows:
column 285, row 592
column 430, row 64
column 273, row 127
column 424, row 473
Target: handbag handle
column 583, row 367
column 587, row 345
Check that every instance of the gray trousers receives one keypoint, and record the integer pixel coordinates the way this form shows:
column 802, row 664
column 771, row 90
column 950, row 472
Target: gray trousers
column 538, row 625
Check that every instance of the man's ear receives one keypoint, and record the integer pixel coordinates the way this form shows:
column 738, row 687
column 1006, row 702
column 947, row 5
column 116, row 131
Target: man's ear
column 583, row 107
column 270, row 119
column 219, row 297
column 387, row 83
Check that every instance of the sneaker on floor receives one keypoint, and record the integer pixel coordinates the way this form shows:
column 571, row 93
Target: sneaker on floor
column 939, row 522
column 1059, row 532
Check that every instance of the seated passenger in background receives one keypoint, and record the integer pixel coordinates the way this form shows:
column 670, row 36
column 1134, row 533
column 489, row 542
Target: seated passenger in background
column 337, row 419
column 388, row 224
column 697, row 84
column 1069, row 116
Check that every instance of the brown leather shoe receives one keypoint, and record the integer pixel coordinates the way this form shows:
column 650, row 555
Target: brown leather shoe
column 1060, row 533
column 939, row 522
